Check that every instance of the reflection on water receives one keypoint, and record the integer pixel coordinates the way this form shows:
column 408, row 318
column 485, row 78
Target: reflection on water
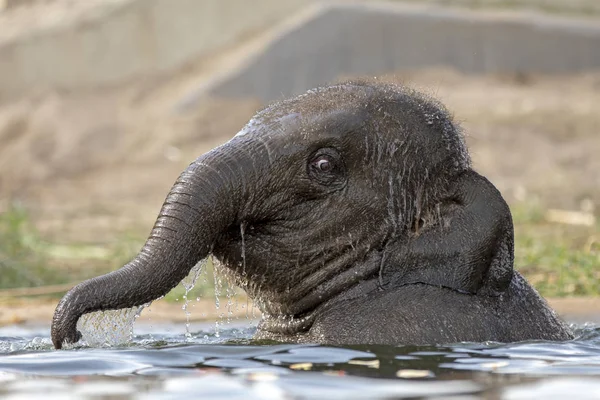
column 175, row 364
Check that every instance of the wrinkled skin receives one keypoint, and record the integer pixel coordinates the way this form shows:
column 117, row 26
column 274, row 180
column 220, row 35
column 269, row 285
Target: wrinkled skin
column 350, row 214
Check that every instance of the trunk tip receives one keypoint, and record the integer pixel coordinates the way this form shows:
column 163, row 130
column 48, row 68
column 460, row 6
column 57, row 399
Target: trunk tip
column 64, row 323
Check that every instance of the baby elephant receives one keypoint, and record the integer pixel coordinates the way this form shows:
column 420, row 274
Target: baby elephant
column 350, row 214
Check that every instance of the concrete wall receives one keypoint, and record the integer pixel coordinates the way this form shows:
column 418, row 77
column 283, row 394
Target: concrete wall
column 359, row 39
column 138, row 37
column 144, row 37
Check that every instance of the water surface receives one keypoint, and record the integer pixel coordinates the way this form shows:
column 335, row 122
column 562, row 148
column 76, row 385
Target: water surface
column 162, row 361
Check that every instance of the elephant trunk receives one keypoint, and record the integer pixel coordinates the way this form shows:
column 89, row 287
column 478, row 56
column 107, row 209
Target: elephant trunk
column 203, row 202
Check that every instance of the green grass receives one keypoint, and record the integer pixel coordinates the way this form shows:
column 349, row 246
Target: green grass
column 23, row 261
column 559, row 260
column 27, row 260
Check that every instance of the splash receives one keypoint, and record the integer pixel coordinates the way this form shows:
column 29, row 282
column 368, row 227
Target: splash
column 109, row 328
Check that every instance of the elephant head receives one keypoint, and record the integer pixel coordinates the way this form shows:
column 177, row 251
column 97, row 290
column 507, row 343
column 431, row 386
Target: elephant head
column 351, row 183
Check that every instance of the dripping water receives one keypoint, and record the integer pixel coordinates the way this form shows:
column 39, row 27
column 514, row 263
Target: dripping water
column 218, row 288
column 230, row 295
column 188, row 284
column 242, row 232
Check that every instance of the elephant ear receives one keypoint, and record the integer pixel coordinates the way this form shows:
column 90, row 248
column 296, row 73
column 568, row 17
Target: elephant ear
column 469, row 247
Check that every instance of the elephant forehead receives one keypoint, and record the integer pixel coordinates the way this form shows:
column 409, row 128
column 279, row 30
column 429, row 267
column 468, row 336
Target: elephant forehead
column 308, row 125
column 271, row 124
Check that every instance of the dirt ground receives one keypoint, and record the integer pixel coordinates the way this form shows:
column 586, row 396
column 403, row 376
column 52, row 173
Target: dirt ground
column 18, row 17
column 39, row 313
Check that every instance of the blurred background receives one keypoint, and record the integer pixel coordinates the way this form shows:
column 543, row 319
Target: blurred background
column 104, row 102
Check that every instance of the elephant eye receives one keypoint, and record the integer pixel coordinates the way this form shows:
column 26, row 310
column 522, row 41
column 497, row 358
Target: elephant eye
column 324, row 163
column 326, row 167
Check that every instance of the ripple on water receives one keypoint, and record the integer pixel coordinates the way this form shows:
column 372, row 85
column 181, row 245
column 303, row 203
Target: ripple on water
column 69, row 364
column 200, row 364
column 324, row 355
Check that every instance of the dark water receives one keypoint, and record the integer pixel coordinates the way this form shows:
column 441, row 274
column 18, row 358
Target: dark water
column 170, row 365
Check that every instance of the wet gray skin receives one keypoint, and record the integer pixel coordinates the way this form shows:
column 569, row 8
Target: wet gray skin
column 350, row 214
